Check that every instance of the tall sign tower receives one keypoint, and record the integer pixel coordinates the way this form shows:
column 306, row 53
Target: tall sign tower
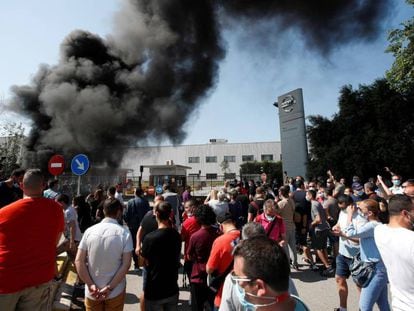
column 293, row 133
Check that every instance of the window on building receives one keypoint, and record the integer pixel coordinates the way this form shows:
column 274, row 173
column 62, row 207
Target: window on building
column 230, row 176
column 211, row 176
column 193, row 159
column 267, row 157
column 211, row 159
column 230, row 158
column 247, row 158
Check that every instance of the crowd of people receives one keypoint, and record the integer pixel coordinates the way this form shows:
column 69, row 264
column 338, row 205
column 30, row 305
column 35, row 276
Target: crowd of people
column 240, row 243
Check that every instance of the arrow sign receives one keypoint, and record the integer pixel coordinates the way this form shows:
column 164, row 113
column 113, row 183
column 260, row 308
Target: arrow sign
column 56, row 165
column 80, row 164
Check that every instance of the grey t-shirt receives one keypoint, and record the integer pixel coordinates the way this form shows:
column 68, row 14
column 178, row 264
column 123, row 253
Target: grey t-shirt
column 316, row 208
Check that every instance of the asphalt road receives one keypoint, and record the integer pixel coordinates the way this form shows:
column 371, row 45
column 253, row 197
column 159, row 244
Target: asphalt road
column 319, row 293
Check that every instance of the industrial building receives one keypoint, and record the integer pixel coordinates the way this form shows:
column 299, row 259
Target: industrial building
column 204, row 159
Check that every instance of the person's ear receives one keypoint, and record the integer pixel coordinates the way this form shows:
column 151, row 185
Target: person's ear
column 261, row 287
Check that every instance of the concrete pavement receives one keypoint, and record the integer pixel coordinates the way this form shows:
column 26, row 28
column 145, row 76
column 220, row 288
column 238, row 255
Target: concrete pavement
column 318, row 292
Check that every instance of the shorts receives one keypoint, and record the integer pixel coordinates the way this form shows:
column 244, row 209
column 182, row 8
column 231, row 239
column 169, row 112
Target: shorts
column 319, row 239
column 343, row 266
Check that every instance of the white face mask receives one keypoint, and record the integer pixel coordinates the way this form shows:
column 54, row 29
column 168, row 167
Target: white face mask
column 247, row 305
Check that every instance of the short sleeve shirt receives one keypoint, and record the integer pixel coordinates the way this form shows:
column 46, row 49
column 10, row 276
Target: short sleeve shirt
column 221, row 255
column 105, row 244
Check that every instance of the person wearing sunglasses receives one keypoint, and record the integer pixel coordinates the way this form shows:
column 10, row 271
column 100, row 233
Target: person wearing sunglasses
column 261, row 277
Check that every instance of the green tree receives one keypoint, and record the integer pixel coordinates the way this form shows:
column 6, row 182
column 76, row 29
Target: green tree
column 11, row 140
column 374, row 128
column 272, row 169
column 401, row 74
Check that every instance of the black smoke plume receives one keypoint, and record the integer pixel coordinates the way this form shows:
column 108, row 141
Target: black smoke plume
column 144, row 81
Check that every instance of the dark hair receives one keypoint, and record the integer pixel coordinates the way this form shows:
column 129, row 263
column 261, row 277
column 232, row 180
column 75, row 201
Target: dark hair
column 312, row 193
column 370, row 186
column 264, row 259
column 138, row 191
column 163, row 210
column 62, row 198
column 329, row 191
column 284, row 191
column 205, row 215
column 52, row 183
column 398, row 203
column 299, row 183
column 192, row 202
column 111, row 207
column 343, row 198
column 18, row 172
column 79, row 200
column 112, row 190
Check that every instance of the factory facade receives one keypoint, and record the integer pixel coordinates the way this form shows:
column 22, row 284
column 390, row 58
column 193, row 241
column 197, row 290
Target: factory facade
column 214, row 158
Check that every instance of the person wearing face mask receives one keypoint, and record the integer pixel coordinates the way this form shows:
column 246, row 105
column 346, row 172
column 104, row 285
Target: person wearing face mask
column 396, row 185
column 376, row 291
column 261, row 276
column 358, row 193
column 348, row 248
column 272, row 223
column 395, row 242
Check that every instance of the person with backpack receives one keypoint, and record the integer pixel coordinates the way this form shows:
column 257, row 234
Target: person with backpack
column 256, row 206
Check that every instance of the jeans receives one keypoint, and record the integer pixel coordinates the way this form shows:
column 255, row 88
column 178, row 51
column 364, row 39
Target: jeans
column 376, row 291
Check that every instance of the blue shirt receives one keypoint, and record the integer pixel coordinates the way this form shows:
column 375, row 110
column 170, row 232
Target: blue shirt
column 368, row 248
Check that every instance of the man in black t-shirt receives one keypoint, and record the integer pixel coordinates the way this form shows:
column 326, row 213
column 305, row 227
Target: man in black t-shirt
column 256, row 206
column 10, row 189
column 161, row 250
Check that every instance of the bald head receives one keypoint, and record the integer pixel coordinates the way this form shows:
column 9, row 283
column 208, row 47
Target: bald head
column 33, row 183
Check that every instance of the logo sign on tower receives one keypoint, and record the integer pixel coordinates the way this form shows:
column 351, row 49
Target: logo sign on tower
column 56, row 165
column 79, row 164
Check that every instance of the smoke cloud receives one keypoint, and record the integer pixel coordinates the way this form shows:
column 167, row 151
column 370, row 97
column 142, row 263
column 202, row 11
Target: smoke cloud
column 144, row 80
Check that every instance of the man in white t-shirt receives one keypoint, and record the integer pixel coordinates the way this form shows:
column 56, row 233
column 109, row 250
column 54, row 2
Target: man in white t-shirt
column 72, row 231
column 104, row 258
column 395, row 243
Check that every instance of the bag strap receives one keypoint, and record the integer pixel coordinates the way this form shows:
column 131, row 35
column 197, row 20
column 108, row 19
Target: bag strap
column 272, row 225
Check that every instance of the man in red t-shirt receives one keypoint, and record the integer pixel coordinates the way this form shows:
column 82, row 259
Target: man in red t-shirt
column 190, row 225
column 221, row 256
column 30, row 230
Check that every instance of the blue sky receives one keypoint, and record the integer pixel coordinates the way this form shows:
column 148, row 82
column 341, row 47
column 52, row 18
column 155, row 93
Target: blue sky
column 251, row 78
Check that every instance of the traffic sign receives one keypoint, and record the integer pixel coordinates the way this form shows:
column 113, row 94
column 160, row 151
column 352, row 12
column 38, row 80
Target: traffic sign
column 79, row 164
column 56, row 165
column 158, row 189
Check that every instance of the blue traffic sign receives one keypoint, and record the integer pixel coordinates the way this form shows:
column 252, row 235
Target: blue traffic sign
column 158, row 189
column 79, row 164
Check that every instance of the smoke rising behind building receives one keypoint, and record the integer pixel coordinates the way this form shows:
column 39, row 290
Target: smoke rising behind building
column 144, row 80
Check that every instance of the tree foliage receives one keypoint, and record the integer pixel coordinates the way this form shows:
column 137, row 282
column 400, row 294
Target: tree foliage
column 401, row 74
column 374, row 128
column 272, row 169
column 11, row 140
